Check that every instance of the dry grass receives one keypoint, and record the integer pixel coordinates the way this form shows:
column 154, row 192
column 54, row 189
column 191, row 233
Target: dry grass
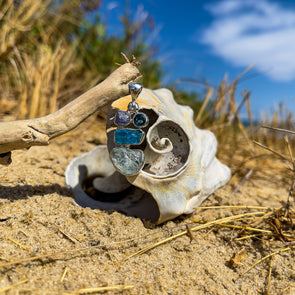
column 40, row 78
column 15, row 23
column 17, row 20
column 34, row 71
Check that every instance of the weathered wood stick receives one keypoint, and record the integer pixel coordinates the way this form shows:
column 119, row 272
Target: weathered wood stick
column 26, row 133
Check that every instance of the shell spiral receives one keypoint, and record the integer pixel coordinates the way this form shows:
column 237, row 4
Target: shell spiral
column 180, row 170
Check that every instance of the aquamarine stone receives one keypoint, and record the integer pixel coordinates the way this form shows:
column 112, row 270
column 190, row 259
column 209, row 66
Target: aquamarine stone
column 129, row 136
column 122, row 118
column 140, row 120
column 127, row 161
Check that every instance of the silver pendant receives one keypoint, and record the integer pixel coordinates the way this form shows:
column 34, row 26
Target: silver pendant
column 126, row 160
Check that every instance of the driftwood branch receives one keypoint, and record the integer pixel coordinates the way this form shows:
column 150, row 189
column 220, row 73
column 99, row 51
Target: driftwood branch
column 26, row 133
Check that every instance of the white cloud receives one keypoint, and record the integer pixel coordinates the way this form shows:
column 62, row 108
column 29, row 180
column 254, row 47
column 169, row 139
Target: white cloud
column 244, row 32
column 112, row 5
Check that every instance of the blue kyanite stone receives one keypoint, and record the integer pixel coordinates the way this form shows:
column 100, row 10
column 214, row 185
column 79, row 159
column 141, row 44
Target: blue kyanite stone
column 140, row 120
column 122, row 118
column 129, row 136
column 126, row 161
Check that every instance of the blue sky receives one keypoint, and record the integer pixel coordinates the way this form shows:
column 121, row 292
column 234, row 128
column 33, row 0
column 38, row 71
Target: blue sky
column 208, row 39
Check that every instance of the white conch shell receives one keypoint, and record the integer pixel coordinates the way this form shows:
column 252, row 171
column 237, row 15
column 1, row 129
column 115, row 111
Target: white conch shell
column 180, row 169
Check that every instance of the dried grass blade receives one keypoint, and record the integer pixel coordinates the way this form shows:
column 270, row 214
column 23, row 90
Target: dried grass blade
column 104, row 289
column 278, row 129
column 289, row 147
column 245, row 71
column 34, row 258
column 41, row 291
column 247, row 237
column 66, row 252
column 267, row 256
column 17, row 243
column 237, row 207
column 3, row 258
column 248, row 106
column 245, row 178
column 208, row 224
column 246, row 228
column 269, row 276
column 64, row 274
column 273, row 151
column 12, row 286
column 204, row 104
column 244, row 132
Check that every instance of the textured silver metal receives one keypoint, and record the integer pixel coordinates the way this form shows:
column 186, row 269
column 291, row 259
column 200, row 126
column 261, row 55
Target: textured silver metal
column 133, row 107
column 134, row 90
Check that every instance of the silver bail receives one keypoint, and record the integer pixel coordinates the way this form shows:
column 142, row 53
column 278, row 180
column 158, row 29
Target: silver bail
column 134, row 90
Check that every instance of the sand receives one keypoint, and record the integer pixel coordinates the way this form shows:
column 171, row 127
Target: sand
column 80, row 248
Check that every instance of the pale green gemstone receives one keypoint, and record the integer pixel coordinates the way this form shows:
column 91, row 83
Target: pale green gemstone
column 127, row 161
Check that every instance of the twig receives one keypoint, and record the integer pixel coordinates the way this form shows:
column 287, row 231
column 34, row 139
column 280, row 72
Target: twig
column 125, row 57
column 273, row 151
column 246, row 177
column 26, row 133
column 279, row 129
column 190, row 233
